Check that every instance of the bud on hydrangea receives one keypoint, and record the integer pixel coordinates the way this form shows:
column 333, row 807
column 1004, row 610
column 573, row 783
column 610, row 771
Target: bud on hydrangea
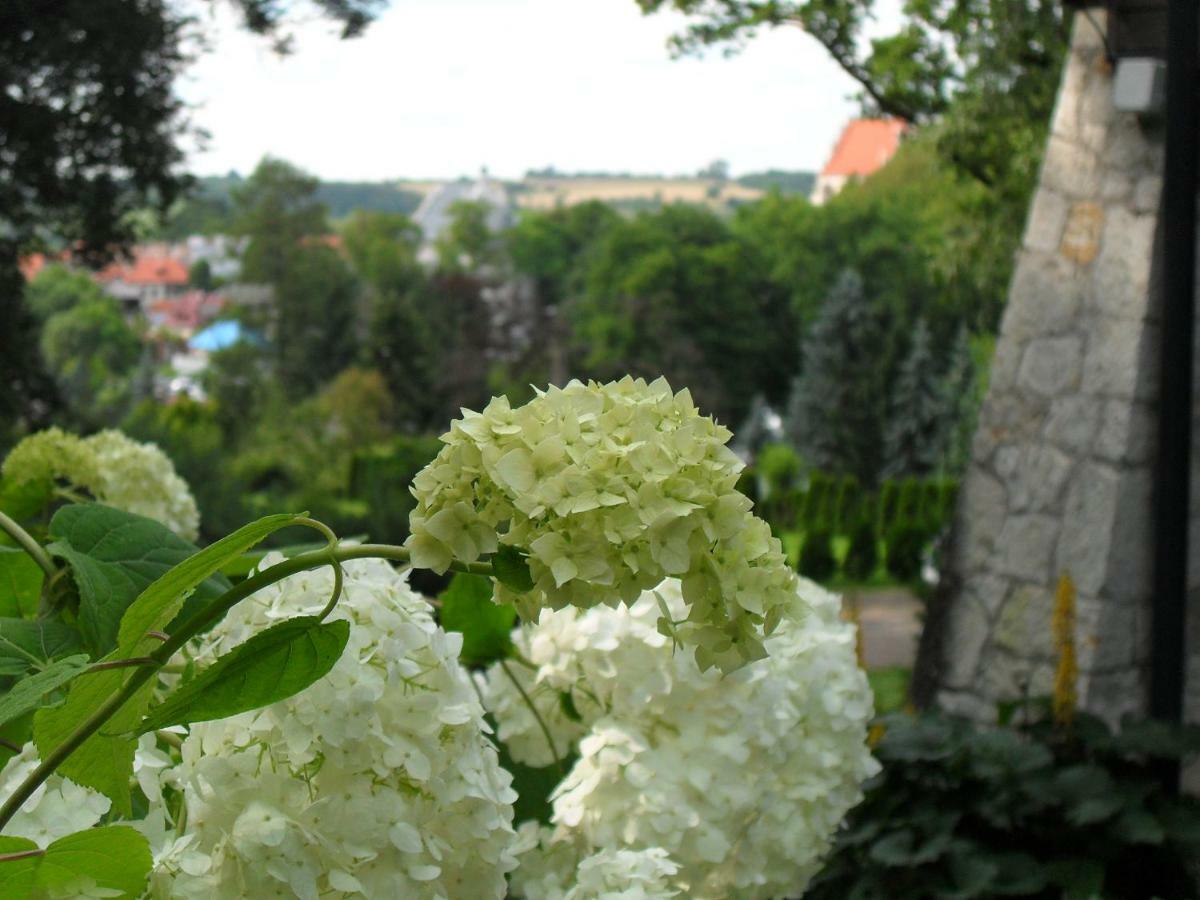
column 609, row 489
column 377, row 780
column 135, row 477
column 740, row 780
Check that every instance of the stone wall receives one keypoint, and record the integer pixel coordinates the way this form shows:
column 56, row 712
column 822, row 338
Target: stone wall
column 1061, row 473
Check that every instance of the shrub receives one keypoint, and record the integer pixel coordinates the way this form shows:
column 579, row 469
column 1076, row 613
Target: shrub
column 816, row 556
column 964, row 812
column 846, row 504
column 817, row 513
column 905, row 543
column 889, row 496
column 862, row 556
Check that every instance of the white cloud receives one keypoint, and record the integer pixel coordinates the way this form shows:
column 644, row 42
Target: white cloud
column 439, row 88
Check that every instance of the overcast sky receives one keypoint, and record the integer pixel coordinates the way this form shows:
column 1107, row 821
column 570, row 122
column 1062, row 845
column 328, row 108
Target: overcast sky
column 441, row 88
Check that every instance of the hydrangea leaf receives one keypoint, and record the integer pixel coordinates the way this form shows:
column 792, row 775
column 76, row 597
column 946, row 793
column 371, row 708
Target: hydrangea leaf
column 20, row 583
column 27, row 693
column 271, row 666
column 17, row 876
column 511, row 568
column 26, row 644
column 486, row 626
column 114, row 556
column 158, row 604
column 105, row 760
column 112, row 861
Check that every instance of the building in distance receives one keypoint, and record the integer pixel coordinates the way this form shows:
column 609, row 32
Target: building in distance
column 864, row 148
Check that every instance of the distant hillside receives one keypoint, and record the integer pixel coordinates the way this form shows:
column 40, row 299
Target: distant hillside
column 209, row 210
column 782, row 180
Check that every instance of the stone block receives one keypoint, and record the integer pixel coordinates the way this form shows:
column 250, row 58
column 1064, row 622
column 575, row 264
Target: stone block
column 1112, row 695
column 1007, row 418
column 1147, row 194
column 1118, row 186
column 1071, row 169
column 1072, row 422
column 1005, row 362
column 1107, row 635
column 1047, row 216
column 1127, row 145
column 1130, row 556
column 1006, row 677
column 1126, row 433
column 1087, row 526
column 1120, row 277
column 1047, row 291
column 983, row 507
column 1025, row 546
column 969, row 706
column 990, row 591
column 1023, row 625
column 1121, row 359
column 1034, row 475
column 1051, row 366
column 967, row 632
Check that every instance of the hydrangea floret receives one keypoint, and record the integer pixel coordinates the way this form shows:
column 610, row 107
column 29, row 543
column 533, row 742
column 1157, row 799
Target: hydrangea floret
column 740, row 780
column 609, row 488
column 378, row 780
column 554, row 867
column 114, row 469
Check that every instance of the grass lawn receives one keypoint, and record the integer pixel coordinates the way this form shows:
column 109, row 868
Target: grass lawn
column 891, row 688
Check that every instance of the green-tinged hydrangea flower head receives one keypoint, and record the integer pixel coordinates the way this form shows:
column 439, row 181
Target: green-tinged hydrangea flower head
column 609, row 488
column 114, row 469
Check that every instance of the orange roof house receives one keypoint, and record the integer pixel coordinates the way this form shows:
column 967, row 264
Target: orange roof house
column 864, row 148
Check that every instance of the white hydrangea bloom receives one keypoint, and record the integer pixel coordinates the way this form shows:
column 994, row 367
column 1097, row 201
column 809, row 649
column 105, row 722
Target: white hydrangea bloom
column 116, row 470
column 609, row 488
column 378, row 780
column 554, row 867
column 57, row 808
column 741, row 779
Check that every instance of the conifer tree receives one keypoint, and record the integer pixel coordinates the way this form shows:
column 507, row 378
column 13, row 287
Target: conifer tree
column 960, row 389
column 838, row 403
column 916, row 428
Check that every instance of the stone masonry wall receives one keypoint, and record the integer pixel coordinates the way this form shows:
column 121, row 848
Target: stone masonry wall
column 1061, row 472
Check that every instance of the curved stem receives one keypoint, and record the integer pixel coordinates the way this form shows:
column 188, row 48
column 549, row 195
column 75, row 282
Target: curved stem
column 536, row 715
column 28, row 544
column 197, row 623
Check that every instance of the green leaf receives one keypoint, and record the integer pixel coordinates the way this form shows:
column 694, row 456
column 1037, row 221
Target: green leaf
column 486, row 627
column 27, row 693
column 114, row 858
column 1080, row 879
column 1137, row 825
column 114, row 556
column 511, row 569
column 24, row 500
column 20, row 583
column 26, row 644
column 1017, row 874
column 895, row 849
column 158, row 604
column 105, row 760
column 271, row 666
column 17, row 876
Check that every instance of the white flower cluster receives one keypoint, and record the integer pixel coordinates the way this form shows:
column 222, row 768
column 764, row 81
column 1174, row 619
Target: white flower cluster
column 377, row 780
column 609, row 488
column 740, row 780
column 556, row 868
column 135, row 477
column 57, row 808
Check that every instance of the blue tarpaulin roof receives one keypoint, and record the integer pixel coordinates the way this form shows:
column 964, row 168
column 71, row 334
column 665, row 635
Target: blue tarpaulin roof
column 220, row 335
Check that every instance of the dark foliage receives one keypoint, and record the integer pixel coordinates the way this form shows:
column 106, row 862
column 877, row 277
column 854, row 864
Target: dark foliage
column 964, row 812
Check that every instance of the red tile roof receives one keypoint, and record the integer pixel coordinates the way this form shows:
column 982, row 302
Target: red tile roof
column 186, row 312
column 865, row 146
column 146, row 268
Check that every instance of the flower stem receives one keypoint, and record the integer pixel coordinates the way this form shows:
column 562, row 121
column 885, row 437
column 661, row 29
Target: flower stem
column 28, row 544
column 536, row 715
column 197, row 623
